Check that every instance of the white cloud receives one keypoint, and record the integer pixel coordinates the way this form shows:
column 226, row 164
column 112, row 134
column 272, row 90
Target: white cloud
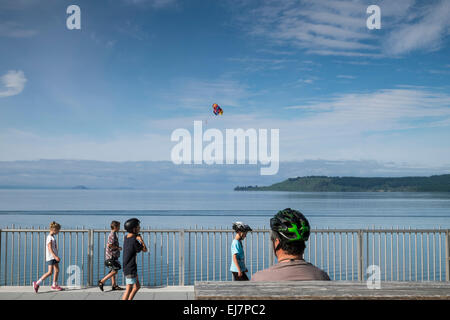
column 253, row 64
column 427, row 33
column 344, row 76
column 318, row 26
column 198, row 94
column 19, row 144
column 157, row 4
column 15, row 30
column 327, row 27
column 383, row 110
column 13, row 83
column 307, row 81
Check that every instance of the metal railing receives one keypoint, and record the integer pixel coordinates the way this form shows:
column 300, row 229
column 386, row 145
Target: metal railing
column 180, row 257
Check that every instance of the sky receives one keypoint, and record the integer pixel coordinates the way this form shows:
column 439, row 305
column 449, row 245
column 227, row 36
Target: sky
column 139, row 69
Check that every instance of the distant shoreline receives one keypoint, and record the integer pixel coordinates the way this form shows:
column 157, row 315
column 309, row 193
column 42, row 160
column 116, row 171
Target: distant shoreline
column 436, row 183
column 59, row 188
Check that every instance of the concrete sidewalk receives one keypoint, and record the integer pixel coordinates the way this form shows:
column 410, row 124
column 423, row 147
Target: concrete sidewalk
column 45, row 293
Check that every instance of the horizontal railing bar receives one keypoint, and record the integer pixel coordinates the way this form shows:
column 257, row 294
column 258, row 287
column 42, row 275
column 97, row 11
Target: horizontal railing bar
column 335, row 230
column 142, row 230
column 42, row 230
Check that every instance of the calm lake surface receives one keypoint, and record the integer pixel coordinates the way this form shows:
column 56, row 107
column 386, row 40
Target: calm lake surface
column 185, row 209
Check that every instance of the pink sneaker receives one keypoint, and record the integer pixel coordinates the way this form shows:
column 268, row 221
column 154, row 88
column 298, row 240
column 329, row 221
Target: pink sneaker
column 57, row 288
column 35, row 286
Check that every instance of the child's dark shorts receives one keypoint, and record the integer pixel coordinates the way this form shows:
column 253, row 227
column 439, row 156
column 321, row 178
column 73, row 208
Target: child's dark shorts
column 52, row 262
column 113, row 264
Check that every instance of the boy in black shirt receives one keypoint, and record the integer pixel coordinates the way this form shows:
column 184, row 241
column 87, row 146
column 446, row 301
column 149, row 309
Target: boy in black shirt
column 132, row 244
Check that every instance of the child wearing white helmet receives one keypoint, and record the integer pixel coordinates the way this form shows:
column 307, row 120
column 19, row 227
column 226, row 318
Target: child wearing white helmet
column 238, row 268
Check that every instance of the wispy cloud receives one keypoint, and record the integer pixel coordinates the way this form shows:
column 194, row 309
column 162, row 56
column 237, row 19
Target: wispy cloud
column 20, row 144
column 102, row 41
column 22, row 4
column 157, row 4
column 388, row 109
column 15, row 30
column 320, row 27
column 254, row 64
column 13, row 83
column 198, row 93
column 345, row 76
column 307, row 80
column 325, row 27
column 426, row 32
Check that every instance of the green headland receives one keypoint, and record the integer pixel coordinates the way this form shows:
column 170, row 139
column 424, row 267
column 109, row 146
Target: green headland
column 436, row 183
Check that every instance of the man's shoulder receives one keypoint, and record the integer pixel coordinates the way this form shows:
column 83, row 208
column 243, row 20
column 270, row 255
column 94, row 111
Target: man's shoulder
column 261, row 274
column 291, row 271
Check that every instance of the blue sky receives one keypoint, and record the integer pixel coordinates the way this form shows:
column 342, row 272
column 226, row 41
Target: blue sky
column 138, row 69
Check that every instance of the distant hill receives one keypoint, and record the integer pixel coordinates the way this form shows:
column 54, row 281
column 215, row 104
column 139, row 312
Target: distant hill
column 438, row 183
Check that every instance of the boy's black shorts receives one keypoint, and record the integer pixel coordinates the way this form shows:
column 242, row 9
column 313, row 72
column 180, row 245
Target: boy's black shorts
column 242, row 278
column 113, row 264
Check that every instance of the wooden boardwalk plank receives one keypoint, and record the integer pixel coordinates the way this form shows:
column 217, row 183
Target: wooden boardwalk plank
column 321, row 290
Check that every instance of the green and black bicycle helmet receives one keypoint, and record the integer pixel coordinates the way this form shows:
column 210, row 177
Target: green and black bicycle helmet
column 131, row 224
column 291, row 225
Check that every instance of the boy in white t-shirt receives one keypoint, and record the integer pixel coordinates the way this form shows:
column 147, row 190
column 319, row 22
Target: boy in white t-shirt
column 52, row 259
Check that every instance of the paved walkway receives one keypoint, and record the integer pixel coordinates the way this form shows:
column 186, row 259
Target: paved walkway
column 153, row 293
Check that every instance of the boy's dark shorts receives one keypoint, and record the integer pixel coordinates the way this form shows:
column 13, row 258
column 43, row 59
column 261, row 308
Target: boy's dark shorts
column 113, row 264
column 52, row 262
column 241, row 278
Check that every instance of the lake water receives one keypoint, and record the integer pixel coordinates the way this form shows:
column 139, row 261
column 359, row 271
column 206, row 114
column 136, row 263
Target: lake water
column 184, row 209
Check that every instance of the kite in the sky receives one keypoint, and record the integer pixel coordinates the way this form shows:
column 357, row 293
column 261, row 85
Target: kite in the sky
column 217, row 109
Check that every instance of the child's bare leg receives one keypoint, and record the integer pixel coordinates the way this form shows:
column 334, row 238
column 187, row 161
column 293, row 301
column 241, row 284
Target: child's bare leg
column 113, row 278
column 127, row 292
column 109, row 275
column 47, row 274
column 135, row 289
column 56, row 273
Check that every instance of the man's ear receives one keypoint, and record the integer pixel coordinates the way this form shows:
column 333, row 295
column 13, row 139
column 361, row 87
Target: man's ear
column 275, row 243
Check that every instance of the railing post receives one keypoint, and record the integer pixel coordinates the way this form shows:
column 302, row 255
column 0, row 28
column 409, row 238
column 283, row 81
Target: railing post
column 0, row 253
column 447, row 255
column 181, row 259
column 360, row 255
column 90, row 265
